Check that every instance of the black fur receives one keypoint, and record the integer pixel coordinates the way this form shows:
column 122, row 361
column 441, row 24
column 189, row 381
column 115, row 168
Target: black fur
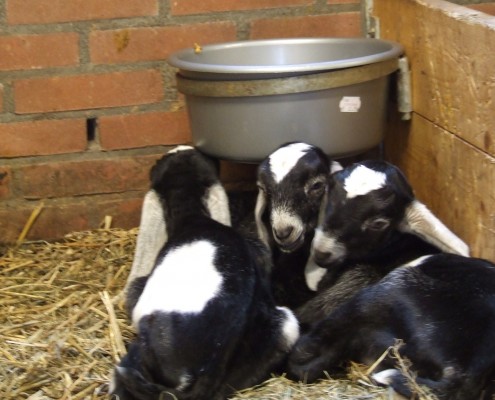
column 443, row 310
column 294, row 195
column 371, row 251
column 237, row 339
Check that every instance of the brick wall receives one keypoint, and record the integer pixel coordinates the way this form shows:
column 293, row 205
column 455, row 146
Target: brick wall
column 87, row 103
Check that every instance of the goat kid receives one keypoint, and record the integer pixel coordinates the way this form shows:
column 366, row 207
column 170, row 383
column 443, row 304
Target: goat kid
column 292, row 182
column 370, row 223
column 152, row 233
column 443, row 308
column 206, row 323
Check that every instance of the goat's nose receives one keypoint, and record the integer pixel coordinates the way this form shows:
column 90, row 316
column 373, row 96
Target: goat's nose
column 321, row 257
column 283, row 233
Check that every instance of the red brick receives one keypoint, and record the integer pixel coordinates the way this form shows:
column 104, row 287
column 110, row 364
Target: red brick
column 75, row 178
column 38, row 51
column 136, row 44
column 42, row 137
column 61, row 217
column 49, row 11
column 182, row 7
column 141, row 130
column 87, row 91
column 336, row 25
column 5, row 182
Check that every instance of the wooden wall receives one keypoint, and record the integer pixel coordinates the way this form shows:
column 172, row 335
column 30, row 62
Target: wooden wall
column 448, row 148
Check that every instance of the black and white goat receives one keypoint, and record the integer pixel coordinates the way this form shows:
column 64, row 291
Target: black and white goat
column 205, row 319
column 292, row 182
column 370, row 223
column 443, row 309
column 152, row 230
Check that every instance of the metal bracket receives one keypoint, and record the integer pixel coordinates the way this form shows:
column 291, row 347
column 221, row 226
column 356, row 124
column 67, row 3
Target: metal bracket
column 371, row 28
column 370, row 24
column 404, row 89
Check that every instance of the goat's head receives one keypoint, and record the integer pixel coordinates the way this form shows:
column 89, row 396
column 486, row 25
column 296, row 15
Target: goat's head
column 185, row 170
column 292, row 182
column 366, row 203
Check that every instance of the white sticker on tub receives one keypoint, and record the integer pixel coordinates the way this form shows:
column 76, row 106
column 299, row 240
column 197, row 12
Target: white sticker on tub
column 350, row 104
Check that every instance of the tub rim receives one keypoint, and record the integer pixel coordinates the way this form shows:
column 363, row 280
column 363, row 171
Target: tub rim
column 176, row 60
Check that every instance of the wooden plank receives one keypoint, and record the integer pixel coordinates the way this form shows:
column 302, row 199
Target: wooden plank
column 455, row 179
column 452, row 53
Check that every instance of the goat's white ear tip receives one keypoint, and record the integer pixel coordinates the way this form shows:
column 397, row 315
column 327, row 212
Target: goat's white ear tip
column 336, row 167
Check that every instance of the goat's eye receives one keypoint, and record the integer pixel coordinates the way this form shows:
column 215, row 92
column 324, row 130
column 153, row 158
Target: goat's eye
column 376, row 224
column 316, row 188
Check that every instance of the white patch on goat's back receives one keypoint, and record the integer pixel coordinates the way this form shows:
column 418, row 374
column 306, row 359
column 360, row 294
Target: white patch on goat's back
column 217, row 204
column 184, row 281
column 363, row 180
column 181, row 147
column 284, row 159
column 290, row 327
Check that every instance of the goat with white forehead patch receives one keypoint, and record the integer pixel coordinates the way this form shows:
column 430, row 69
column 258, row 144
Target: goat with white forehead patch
column 443, row 309
column 370, row 223
column 206, row 322
column 292, row 181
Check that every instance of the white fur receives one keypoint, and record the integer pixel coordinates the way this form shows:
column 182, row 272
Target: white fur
column 285, row 158
column 418, row 261
column 313, row 274
column 363, row 180
column 335, row 166
column 290, row 328
column 217, row 204
column 385, row 377
column 181, row 147
column 420, row 221
column 151, row 237
column 184, row 282
column 258, row 214
column 328, row 244
column 281, row 219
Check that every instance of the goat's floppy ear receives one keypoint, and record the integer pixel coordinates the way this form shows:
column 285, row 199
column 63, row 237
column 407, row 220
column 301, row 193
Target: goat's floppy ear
column 259, row 210
column 217, row 204
column 420, row 221
column 335, row 166
column 151, row 237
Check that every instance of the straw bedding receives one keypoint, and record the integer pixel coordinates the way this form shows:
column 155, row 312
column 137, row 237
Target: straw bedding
column 63, row 328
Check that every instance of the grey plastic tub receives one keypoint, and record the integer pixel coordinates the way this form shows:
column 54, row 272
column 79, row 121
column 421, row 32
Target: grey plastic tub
column 246, row 98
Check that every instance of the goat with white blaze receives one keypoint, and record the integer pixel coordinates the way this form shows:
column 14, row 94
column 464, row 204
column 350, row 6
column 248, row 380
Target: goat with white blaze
column 205, row 319
column 292, row 182
column 370, row 223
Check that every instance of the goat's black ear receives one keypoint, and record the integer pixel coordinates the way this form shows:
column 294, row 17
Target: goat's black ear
column 399, row 181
